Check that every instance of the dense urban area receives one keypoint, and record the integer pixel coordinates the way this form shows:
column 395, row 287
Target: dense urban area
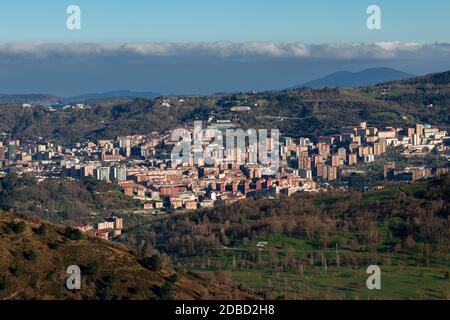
column 136, row 165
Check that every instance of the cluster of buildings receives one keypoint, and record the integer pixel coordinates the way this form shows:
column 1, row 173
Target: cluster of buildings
column 107, row 229
column 412, row 173
column 61, row 106
column 141, row 164
column 363, row 144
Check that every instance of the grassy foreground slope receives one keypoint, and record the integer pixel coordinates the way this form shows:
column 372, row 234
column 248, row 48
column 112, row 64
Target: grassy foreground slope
column 34, row 257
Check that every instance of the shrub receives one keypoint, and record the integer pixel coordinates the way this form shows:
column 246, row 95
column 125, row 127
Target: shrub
column 109, row 279
column 153, row 263
column 173, row 278
column 42, row 230
column 104, row 293
column 134, row 290
column 16, row 271
column 4, row 283
column 73, row 234
column 92, row 269
column 16, row 227
column 53, row 245
column 30, row 255
column 164, row 292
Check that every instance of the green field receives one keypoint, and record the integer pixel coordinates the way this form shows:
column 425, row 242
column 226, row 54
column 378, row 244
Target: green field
column 347, row 283
column 320, row 246
column 404, row 276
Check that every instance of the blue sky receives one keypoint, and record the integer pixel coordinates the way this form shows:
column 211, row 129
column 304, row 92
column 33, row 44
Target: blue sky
column 206, row 46
column 316, row 21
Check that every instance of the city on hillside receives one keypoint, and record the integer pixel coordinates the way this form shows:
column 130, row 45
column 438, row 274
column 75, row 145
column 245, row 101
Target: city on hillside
column 142, row 167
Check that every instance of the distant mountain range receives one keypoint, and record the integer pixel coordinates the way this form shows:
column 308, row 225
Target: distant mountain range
column 28, row 98
column 89, row 98
column 355, row 79
column 94, row 97
column 338, row 79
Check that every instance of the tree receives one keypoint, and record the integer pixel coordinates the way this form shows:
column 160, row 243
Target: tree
column 153, row 263
column 30, row 255
column 73, row 234
column 42, row 230
column 93, row 268
column 16, row 227
column 165, row 292
column 4, row 283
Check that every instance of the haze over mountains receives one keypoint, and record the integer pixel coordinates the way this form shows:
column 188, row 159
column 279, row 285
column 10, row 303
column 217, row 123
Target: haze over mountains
column 355, row 79
column 89, row 97
column 28, row 98
column 93, row 97
column 338, row 79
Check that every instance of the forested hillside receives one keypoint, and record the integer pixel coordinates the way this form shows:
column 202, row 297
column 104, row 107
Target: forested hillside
column 306, row 112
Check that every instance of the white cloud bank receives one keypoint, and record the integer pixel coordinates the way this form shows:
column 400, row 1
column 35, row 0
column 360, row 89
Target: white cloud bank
column 378, row 50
